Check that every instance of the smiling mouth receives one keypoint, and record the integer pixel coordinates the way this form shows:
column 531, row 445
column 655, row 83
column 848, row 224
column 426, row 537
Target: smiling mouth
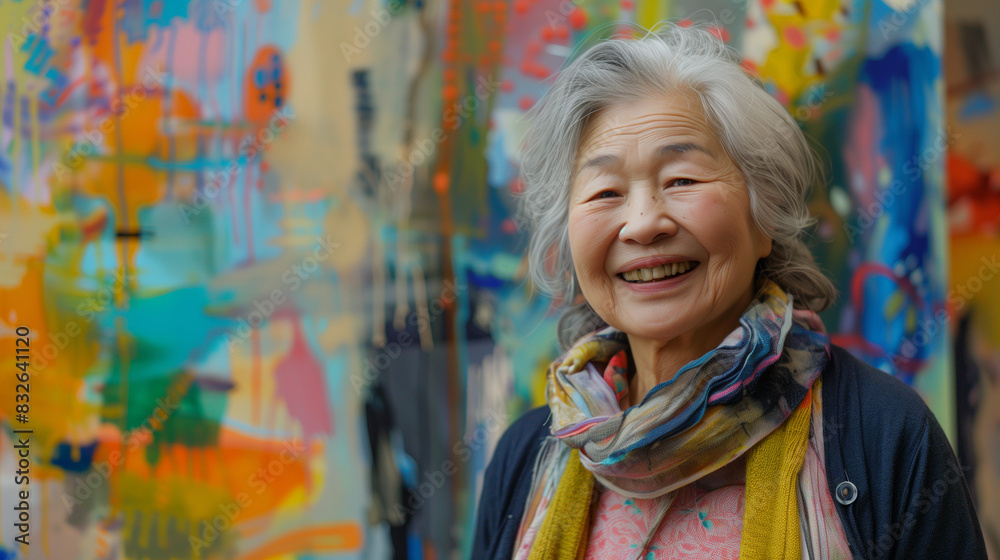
column 657, row 273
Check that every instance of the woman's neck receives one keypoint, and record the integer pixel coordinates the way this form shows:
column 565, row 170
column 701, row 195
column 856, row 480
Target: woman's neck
column 655, row 363
column 656, row 360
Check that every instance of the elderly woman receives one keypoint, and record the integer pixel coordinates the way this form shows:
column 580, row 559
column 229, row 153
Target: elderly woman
column 700, row 410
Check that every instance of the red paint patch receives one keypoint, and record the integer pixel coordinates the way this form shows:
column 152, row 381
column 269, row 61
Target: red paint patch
column 525, row 102
column 627, row 4
column 794, row 37
column 540, row 72
column 521, row 6
column 578, row 18
column 720, row 32
column 508, row 226
column 507, row 85
column 684, row 23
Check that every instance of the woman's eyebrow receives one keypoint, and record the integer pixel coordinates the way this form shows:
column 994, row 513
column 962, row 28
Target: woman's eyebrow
column 665, row 152
column 670, row 151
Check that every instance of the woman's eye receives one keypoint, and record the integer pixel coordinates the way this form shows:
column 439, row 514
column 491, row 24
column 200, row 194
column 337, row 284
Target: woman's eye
column 681, row 182
column 606, row 194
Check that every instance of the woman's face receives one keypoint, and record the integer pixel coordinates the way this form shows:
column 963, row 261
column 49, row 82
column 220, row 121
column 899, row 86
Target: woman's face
column 660, row 229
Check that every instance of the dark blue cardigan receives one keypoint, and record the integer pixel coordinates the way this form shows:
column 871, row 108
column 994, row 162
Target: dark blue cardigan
column 912, row 503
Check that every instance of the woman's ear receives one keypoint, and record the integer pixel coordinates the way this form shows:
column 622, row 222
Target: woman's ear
column 765, row 245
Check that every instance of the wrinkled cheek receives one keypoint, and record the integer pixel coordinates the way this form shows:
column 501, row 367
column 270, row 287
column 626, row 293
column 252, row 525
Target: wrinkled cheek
column 588, row 261
column 587, row 266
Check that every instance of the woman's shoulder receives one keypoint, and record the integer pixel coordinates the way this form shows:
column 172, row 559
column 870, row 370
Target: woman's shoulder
column 864, row 391
column 909, row 498
column 875, row 422
column 506, row 484
column 523, row 437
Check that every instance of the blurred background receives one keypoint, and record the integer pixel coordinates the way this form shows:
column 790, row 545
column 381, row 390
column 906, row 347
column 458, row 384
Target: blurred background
column 266, row 256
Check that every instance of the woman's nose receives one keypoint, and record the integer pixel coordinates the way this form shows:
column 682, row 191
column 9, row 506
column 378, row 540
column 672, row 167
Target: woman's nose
column 647, row 219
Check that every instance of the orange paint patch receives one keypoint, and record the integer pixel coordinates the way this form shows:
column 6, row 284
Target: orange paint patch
column 266, row 84
column 336, row 537
column 441, row 182
column 270, row 473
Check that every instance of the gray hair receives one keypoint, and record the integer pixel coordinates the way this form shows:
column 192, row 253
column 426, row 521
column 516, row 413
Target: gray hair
column 756, row 131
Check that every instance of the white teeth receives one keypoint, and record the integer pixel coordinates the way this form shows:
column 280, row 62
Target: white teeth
column 658, row 272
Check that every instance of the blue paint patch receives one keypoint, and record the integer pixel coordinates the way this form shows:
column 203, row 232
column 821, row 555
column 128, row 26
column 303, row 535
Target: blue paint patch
column 976, row 106
column 63, row 457
column 903, row 79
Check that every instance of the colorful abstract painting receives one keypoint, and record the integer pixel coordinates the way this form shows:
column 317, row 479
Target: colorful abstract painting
column 972, row 60
column 265, row 256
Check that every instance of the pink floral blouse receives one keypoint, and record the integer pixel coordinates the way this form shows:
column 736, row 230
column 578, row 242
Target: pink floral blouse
column 699, row 524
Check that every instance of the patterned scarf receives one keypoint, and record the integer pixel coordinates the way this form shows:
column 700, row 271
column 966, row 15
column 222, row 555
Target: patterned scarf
column 710, row 413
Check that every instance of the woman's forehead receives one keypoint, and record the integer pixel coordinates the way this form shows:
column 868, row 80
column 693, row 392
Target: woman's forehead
column 667, row 119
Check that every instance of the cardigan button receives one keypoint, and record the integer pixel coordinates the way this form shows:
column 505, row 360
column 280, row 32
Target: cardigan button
column 846, row 493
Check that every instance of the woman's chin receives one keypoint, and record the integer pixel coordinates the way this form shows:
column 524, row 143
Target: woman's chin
column 647, row 327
